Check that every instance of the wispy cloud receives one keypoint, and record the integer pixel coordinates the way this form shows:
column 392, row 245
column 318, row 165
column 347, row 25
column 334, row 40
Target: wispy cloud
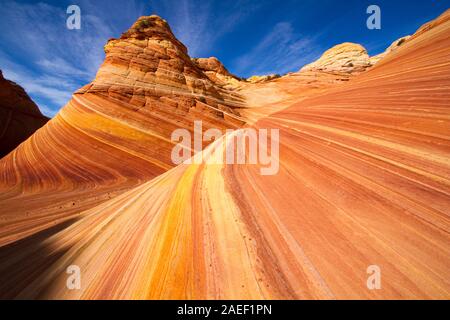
column 47, row 59
column 51, row 62
column 199, row 24
column 280, row 51
column 43, row 87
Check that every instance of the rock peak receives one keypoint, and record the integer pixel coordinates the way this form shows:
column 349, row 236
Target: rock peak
column 211, row 64
column 152, row 27
column 216, row 71
column 346, row 57
column 20, row 117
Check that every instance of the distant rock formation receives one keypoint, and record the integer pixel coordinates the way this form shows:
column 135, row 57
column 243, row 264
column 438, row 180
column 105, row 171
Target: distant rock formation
column 394, row 46
column 363, row 179
column 216, row 71
column 147, row 64
column 116, row 131
column 20, row 117
column 259, row 79
column 346, row 57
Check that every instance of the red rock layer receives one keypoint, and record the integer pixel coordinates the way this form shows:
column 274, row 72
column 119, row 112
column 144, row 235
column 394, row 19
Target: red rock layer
column 365, row 178
column 268, row 96
column 114, row 133
column 19, row 116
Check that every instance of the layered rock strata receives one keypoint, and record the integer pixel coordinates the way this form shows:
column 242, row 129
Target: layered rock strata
column 114, row 133
column 346, row 57
column 364, row 181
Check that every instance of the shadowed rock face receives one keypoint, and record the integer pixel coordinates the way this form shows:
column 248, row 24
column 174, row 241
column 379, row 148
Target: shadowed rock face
column 364, row 180
column 115, row 133
column 212, row 64
column 149, row 62
column 19, row 116
column 257, row 79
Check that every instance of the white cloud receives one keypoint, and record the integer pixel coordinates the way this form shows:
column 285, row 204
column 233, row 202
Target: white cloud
column 280, row 51
column 62, row 67
column 50, row 61
column 196, row 24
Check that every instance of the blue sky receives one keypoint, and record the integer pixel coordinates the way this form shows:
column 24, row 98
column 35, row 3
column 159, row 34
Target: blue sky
column 248, row 36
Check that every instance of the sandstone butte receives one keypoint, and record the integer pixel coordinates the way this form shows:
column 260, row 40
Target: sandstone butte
column 364, row 180
column 19, row 116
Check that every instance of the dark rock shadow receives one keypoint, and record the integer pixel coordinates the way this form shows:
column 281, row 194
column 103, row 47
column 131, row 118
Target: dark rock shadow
column 21, row 262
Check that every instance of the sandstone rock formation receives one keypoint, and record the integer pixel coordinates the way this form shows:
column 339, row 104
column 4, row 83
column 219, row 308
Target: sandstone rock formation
column 442, row 19
column 258, row 79
column 364, row 180
column 216, row 71
column 346, row 57
column 394, row 46
column 114, row 133
column 19, row 116
column 148, row 64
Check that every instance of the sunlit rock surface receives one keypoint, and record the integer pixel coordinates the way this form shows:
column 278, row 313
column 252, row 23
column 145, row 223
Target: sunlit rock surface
column 258, row 79
column 346, row 57
column 364, row 180
column 115, row 133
